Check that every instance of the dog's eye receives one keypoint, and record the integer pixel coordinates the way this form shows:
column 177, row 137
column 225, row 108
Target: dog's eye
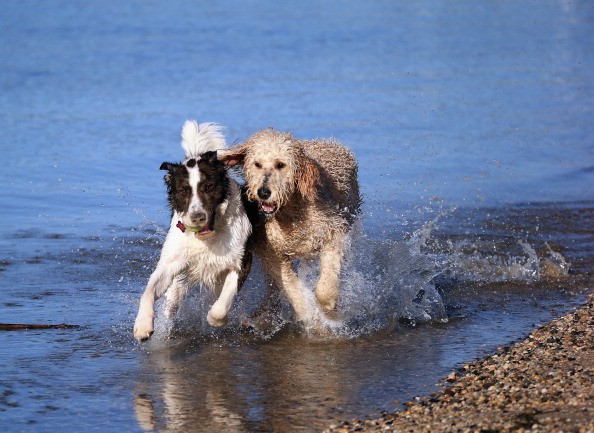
column 258, row 165
column 207, row 187
column 185, row 192
column 280, row 165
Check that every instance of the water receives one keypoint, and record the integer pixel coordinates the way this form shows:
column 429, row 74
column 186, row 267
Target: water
column 472, row 125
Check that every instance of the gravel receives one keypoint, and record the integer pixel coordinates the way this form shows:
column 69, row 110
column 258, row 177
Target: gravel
column 544, row 383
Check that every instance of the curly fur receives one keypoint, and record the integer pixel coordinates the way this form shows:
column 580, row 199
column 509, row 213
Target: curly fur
column 309, row 194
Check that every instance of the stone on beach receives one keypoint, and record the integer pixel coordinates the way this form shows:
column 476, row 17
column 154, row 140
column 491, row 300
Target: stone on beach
column 544, row 383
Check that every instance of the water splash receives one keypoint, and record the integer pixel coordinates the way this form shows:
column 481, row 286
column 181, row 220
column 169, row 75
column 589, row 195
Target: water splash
column 146, row 223
column 383, row 282
column 485, row 262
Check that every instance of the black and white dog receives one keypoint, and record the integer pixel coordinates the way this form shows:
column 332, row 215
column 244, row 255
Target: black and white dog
column 206, row 242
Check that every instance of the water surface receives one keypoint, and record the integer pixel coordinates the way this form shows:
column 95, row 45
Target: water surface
column 472, row 125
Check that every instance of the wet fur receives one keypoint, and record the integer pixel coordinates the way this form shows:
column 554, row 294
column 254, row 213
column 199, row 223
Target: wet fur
column 203, row 198
column 309, row 192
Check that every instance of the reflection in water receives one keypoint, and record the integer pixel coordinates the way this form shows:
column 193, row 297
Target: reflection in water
column 291, row 383
column 228, row 387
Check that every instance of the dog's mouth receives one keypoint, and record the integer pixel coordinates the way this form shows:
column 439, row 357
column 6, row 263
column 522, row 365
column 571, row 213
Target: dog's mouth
column 267, row 208
column 203, row 232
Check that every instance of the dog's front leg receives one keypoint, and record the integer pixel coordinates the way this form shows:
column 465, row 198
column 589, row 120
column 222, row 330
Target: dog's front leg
column 158, row 283
column 327, row 288
column 217, row 316
column 284, row 276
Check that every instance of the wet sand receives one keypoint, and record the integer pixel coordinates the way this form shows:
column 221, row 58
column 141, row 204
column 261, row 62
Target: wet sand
column 544, row 383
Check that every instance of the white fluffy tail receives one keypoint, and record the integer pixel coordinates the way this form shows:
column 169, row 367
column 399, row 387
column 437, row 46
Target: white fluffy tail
column 200, row 138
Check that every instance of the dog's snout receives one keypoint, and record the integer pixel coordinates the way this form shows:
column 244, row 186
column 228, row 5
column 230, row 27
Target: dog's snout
column 264, row 193
column 198, row 217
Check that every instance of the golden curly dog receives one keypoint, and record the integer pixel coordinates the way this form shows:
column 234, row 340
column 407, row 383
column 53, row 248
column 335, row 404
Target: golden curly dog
column 307, row 194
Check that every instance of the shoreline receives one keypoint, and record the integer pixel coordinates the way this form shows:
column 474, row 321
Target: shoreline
column 543, row 383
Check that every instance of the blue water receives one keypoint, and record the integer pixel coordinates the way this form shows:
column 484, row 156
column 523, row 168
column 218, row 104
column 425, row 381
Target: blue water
column 477, row 111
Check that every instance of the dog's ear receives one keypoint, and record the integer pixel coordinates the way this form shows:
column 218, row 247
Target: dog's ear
column 169, row 167
column 233, row 156
column 210, row 157
column 307, row 178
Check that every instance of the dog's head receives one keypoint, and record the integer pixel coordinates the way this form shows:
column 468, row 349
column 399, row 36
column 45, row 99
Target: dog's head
column 275, row 167
column 196, row 188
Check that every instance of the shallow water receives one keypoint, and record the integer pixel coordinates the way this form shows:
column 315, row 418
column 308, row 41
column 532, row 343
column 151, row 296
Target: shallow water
column 472, row 126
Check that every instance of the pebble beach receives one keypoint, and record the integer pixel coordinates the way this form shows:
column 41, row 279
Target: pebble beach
column 544, row 383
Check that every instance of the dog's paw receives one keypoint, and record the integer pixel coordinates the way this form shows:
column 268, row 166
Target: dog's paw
column 332, row 315
column 319, row 328
column 143, row 328
column 326, row 295
column 216, row 319
column 327, row 304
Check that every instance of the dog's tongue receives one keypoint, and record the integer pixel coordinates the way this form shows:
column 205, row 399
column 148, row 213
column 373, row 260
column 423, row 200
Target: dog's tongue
column 267, row 207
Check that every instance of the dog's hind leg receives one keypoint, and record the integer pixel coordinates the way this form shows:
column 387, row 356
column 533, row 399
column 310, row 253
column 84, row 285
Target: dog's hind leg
column 265, row 319
column 174, row 295
column 285, row 277
column 217, row 316
column 246, row 266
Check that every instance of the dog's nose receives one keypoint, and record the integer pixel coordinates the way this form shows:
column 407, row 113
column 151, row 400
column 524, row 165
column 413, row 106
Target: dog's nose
column 198, row 217
column 264, row 193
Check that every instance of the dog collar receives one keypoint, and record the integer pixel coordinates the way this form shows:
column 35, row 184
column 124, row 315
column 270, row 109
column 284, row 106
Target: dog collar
column 183, row 227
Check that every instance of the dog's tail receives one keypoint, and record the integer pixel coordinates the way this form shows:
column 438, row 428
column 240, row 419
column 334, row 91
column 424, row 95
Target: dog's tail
column 200, row 138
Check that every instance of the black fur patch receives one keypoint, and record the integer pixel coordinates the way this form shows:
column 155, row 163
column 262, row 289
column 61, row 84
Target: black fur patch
column 213, row 187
